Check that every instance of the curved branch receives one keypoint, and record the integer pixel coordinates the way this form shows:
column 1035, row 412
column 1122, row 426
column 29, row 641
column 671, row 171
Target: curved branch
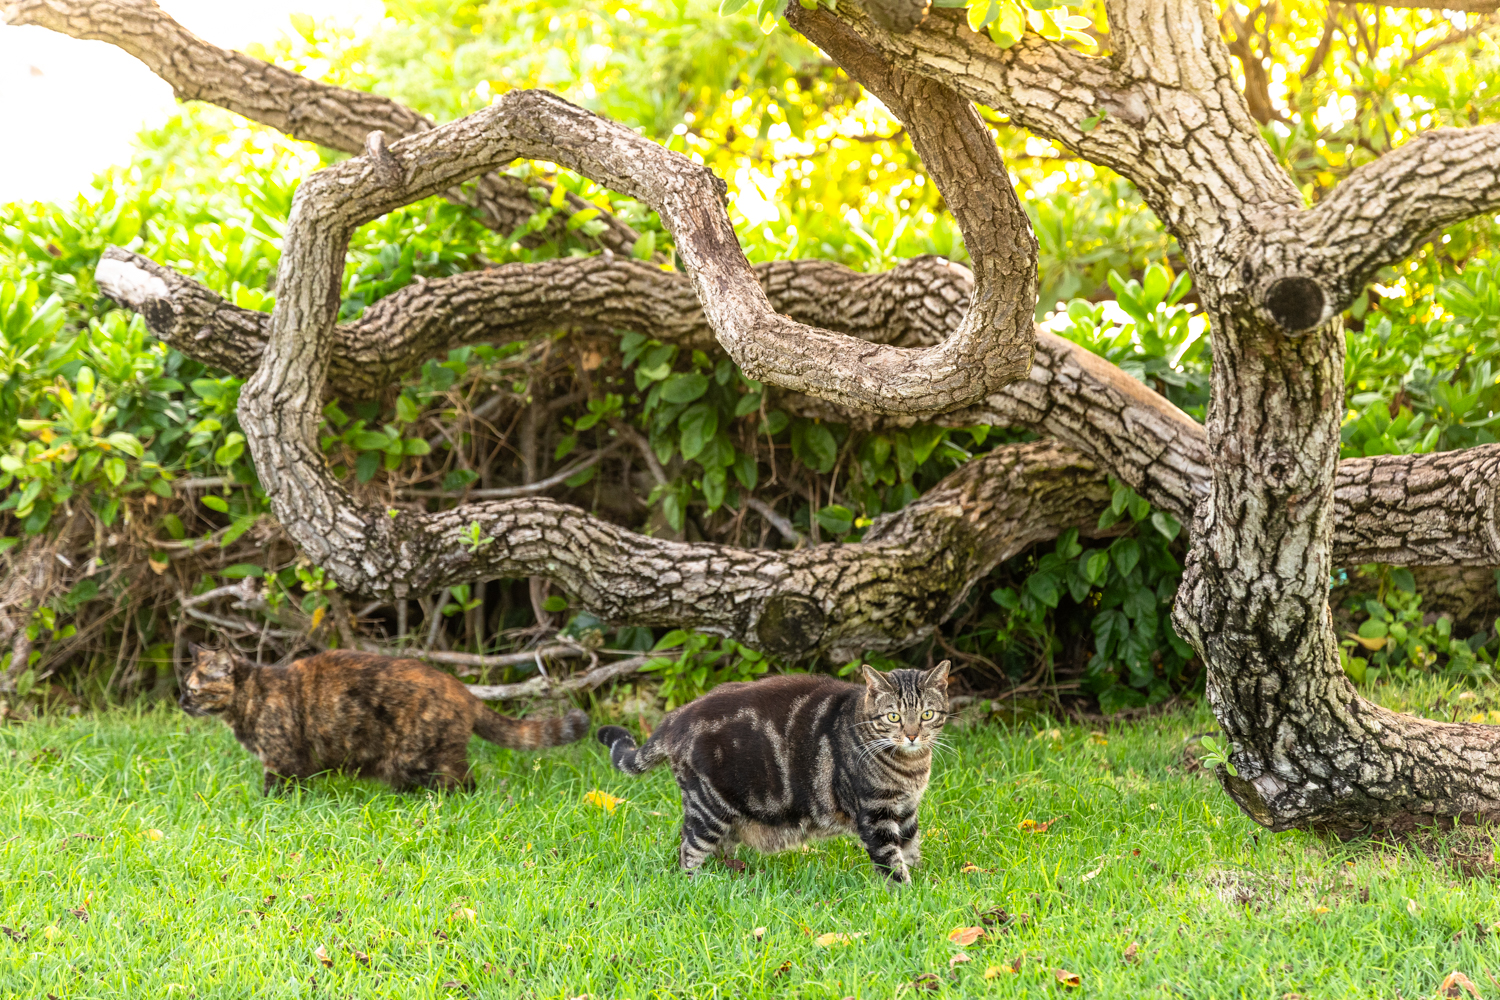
column 288, row 102
column 1418, row 510
column 1173, row 121
column 1378, row 215
column 917, row 303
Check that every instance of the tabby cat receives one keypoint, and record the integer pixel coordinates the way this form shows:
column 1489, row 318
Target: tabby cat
column 397, row 720
column 776, row 762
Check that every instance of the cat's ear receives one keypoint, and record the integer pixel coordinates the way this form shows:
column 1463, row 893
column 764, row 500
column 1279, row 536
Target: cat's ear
column 937, row 677
column 875, row 680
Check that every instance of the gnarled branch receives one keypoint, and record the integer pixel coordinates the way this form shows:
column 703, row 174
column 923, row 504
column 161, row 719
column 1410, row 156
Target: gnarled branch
column 1418, row 510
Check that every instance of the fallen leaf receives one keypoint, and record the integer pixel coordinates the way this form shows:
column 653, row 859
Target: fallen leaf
column 965, row 936
column 1090, row 875
column 154, row 834
column 1130, row 953
column 927, row 981
column 958, row 959
column 1373, row 645
column 835, row 937
column 759, row 933
column 18, row 936
column 970, row 868
column 1068, row 979
column 1320, row 910
column 783, row 970
column 50, row 932
column 1098, row 739
column 996, row 971
column 603, row 800
column 361, row 957
column 321, row 954
column 734, row 864
column 157, row 567
column 1456, row 983
column 81, row 913
column 1032, row 826
column 440, row 935
column 463, row 913
column 454, row 984
column 994, row 916
column 1413, row 907
column 317, row 618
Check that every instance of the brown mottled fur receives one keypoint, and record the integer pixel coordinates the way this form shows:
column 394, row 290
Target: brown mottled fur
column 397, row 720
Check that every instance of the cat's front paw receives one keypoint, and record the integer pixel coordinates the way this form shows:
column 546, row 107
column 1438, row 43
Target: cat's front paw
column 897, row 875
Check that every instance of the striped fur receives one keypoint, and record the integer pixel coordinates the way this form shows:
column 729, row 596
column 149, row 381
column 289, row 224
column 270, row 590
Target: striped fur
column 777, row 762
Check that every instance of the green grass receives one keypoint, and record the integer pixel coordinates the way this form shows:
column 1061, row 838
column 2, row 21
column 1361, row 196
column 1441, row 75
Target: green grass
column 569, row 899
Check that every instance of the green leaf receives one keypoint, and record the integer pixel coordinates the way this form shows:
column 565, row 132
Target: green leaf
column 714, row 484
column 748, row 403
column 415, row 446
column 1166, row 524
column 241, row 570
column 555, row 603
column 1139, row 508
column 837, row 519
column 581, row 477
column 1126, row 553
column 216, row 503
column 684, row 387
column 369, row 441
column 1043, row 587
column 746, row 470
column 1402, row 579
column 924, row 438
column 813, row 444
column 128, row 443
column 697, row 427
column 728, row 7
column 645, row 244
column 1373, row 628
column 671, row 640
column 1097, row 567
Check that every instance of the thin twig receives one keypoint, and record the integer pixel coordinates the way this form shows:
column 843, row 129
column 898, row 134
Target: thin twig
column 776, row 521
column 541, row 687
column 503, row 493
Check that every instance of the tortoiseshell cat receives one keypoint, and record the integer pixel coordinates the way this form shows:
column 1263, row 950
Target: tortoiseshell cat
column 776, row 762
column 397, row 720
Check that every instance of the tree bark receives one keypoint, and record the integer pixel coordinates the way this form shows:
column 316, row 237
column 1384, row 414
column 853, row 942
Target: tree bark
column 1440, row 510
column 1309, row 751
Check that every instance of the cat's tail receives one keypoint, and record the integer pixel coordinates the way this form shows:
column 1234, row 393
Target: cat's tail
column 625, row 755
column 531, row 734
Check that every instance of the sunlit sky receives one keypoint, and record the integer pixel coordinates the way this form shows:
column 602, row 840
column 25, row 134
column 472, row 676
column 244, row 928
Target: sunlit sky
column 69, row 108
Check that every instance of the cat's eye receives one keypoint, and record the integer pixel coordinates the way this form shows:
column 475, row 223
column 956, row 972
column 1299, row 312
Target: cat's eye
column 927, row 715
column 893, row 716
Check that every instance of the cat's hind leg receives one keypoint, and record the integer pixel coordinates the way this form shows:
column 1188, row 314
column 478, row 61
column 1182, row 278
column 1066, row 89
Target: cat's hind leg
column 706, row 822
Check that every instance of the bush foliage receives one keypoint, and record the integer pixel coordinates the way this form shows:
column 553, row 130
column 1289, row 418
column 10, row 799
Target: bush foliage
column 108, row 436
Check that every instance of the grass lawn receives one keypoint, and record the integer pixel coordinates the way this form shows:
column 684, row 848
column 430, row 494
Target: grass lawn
column 138, row 859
